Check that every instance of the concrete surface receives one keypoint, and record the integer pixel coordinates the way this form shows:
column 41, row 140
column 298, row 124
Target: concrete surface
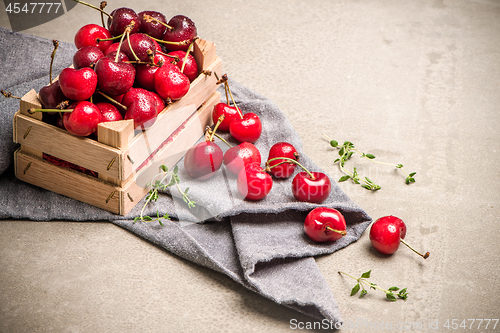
column 413, row 82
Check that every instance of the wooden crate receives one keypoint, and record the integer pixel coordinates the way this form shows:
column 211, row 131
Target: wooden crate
column 124, row 160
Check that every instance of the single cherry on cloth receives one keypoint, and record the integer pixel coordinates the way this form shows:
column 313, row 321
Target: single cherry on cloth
column 387, row 233
column 203, row 160
column 83, row 120
column 307, row 186
column 246, row 128
column 238, row 156
column 78, row 84
column 253, row 182
column 325, row 224
column 282, row 149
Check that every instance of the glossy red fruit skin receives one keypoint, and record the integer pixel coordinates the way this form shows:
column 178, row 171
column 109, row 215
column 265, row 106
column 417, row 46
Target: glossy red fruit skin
column 87, row 56
column 114, row 78
column 83, row 120
column 191, row 67
column 170, row 83
column 246, row 129
column 183, row 29
column 145, row 73
column 203, row 160
column 153, row 29
column 142, row 106
column 253, row 182
column 88, row 35
column 120, row 18
column 140, row 43
column 386, row 234
column 50, row 96
column 109, row 112
column 238, row 156
column 317, row 221
column 230, row 113
column 283, row 149
column 311, row 190
column 78, row 84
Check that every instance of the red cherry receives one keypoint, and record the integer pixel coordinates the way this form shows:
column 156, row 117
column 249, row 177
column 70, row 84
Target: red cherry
column 145, row 73
column 153, row 28
column 183, row 29
column 253, row 182
column 83, row 120
column 112, row 48
column 109, row 112
column 238, row 156
column 120, row 18
column 230, row 113
column 247, row 128
column 114, row 78
column 78, row 84
column 50, row 96
column 141, row 44
column 203, row 160
column 170, row 83
column 387, row 233
column 325, row 224
column 190, row 68
column 142, row 106
column 311, row 187
column 282, row 149
column 87, row 56
column 88, row 35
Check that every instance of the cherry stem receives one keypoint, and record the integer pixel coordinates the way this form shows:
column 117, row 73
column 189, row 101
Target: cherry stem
column 425, row 256
column 288, row 160
column 342, row 232
column 127, row 31
column 113, row 100
column 219, row 121
column 52, row 56
column 92, row 6
column 149, row 19
column 33, row 110
column 103, row 5
column 119, row 47
column 8, row 94
column 181, row 43
column 107, row 39
column 190, row 48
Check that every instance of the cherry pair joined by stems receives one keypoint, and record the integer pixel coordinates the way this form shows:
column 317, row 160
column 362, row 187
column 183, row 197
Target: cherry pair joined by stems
column 243, row 127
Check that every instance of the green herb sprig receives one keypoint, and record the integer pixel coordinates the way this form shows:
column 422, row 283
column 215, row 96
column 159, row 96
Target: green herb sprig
column 389, row 293
column 169, row 178
column 347, row 150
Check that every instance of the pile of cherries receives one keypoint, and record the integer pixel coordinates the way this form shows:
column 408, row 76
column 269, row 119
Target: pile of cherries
column 130, row 70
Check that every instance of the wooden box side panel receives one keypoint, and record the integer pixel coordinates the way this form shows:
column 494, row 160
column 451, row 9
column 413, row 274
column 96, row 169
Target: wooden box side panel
column 68, row 183
column 54, row 141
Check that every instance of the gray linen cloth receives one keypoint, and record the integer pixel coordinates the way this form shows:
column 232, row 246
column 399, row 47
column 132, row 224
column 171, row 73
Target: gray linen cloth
column 261, row 244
